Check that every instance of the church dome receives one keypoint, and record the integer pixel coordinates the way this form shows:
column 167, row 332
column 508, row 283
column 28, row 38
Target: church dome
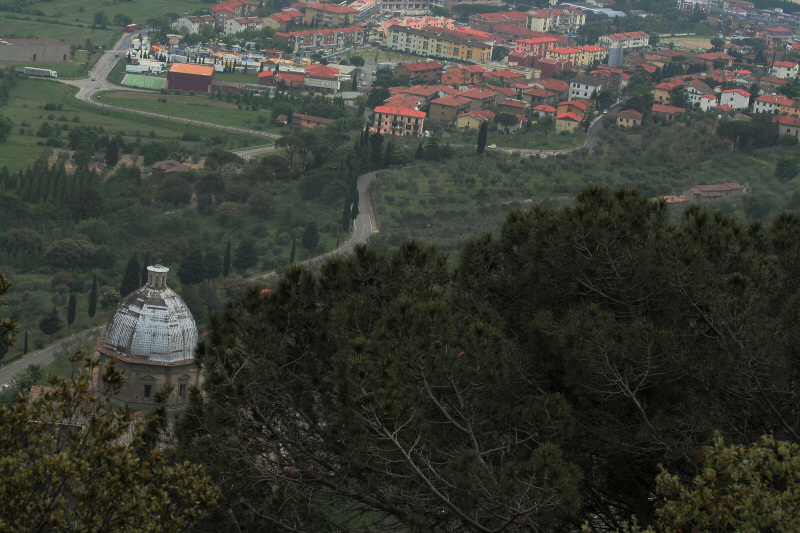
column 152, row 323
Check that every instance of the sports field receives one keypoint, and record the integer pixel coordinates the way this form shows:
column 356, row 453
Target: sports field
column 143, row 82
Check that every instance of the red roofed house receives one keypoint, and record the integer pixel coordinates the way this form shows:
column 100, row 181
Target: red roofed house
column 292, row 80
column 775, row 36
column 567, row 122
column 577, row 107
column 474, row 119
column 448, row 108
column 629, row 118
column 284, row 20
column 489, row 21
column 190, row 77
column 735, row 98
column 771, row 103
column 506, row 76
column 720, row 58
column 545, row 110
column 784, row 69
column 329, row 15
column 466, row 75
column 480, row 98
column 724, row 191
column 429, row 71
column 390, row 120
column 707, row 102
column 635, row 40
column 322, row 78
column 536, row 46
column 787, row 125
column 514, row 107
column 666, row 111
column 229, row 9
column 559, row 87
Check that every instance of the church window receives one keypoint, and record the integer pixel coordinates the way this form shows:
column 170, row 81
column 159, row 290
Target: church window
column 147, row 391
column 182, row 390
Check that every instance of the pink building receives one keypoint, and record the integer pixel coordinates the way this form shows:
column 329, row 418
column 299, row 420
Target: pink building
column 391, row 120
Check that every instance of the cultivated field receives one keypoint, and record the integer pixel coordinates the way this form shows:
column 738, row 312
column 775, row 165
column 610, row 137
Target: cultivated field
column 26, row 110
column 697, row 41
column 139, row 11
column 199, row 107
column 66, row 30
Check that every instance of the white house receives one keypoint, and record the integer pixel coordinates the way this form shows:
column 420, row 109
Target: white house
column 233, row 26
column 735, row 98
column 707, row 101
column 193, row 24
column 584, row 87
column 770, row 103
column 784, row 69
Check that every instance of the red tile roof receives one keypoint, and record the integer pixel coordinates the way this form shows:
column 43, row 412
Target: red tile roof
column 451, row 101
column 423, row 66
column 630, row 113
column 569, row 116
column 332, row 8
column 400, row 111
column 508, row 15
column 658, row 108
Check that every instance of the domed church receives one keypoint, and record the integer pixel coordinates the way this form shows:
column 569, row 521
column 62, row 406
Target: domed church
column 151, row 335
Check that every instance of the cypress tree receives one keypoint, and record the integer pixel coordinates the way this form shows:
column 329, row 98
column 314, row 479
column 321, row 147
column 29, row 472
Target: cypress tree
column 93, row 297
column 146, row 263
column 226, row 262
column 354, row 211
column 483, row 133
column 130, row 280
column 420, row 153
column 71, row 309
column 294, row 249
column 25, row 344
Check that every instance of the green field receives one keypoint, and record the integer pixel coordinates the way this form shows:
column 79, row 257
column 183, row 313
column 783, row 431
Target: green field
column 26, row 27
column 141, row 10
column 25, row 109
column 143, row 82
column 186, row 106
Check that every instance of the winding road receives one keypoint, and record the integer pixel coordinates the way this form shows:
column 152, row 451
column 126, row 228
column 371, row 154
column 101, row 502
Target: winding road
column 364, row 226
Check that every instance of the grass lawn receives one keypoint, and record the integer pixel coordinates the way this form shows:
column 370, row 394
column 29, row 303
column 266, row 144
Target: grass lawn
column 185, row 106
column 61, row 28
column 25, row 109
column 139, row 11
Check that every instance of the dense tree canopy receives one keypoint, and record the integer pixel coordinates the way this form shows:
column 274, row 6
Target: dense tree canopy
column 540, row 383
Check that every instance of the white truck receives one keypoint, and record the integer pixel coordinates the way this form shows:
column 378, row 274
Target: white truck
column 40, row 72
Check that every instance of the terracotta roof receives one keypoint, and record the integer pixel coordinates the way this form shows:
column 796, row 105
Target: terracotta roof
column 514, row 103
column 477, row 93
column 423, row 66
column 400, row 111
column 738, row 91
column 630, row 113
column 658, row 108
column 508, row 15
column 569, row 116
column 785, row 64
column 786, row 120
column 332, row 8
column 545, row 108
column 451, row 101
column 189, row 68
column 321, row 71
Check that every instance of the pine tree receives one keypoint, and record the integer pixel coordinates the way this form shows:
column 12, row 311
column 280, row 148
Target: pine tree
column 130, row 280
column 226, row 262
column 483, row 133
column 51, row 323
column 71, row 306
column 93, row 297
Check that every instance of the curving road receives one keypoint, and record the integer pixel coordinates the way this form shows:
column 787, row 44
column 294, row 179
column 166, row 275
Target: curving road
column 364, row 226
column 98, row 81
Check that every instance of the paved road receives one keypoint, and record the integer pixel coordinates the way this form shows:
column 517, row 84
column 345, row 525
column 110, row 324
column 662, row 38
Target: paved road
column 88, row 87
column 364, row 226
column 47, row 355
